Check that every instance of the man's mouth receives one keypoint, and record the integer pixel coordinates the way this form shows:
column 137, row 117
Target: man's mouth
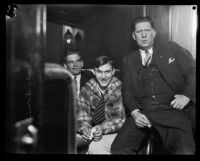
column 75, row 68
column 104, row 80
column 144, row 41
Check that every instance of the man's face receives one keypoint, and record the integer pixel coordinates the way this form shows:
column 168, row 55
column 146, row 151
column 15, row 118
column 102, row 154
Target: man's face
column 74, row 63
column 144, row 35
column 104, row 74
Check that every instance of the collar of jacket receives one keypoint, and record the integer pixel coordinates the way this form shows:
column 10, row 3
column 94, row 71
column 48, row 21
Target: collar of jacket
column 114, row 84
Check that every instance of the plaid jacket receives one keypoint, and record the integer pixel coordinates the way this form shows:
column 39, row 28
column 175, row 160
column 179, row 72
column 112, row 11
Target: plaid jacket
column 114, row 110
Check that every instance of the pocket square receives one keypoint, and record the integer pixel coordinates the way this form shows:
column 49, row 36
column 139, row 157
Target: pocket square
column 171, row 60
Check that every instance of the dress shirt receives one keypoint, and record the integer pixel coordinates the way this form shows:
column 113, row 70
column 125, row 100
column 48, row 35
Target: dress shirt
column 78, row 80
column 143, row 54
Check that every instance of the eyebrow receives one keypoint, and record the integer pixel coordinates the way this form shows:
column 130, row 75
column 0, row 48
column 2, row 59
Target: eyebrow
column 73, row 60
column 103, row 71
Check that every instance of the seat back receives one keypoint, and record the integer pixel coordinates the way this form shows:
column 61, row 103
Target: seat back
column 57, row 118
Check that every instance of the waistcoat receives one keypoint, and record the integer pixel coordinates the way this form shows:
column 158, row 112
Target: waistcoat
column 153, row 89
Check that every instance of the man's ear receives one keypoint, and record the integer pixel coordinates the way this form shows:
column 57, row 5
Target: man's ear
column 82, row 64
column 94, row 71
column 65, row 66
column 154, row 33
column 133, row 35
column 113, row 71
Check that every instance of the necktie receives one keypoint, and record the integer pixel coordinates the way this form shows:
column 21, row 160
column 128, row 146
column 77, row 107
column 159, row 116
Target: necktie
column 76, row 86
column 99, row 113
column 147, row 59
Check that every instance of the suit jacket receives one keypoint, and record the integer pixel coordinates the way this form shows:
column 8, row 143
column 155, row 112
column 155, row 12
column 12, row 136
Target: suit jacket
column 175, row 64
column 86, row 75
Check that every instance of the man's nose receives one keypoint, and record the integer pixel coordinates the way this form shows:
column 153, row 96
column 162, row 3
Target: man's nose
column 103, row 75
column 144, row 34
column 76, row 64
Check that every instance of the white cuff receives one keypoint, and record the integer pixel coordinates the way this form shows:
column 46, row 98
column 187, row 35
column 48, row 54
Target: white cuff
column 134, row 111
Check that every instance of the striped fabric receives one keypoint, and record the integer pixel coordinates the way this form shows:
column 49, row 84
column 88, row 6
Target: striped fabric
column 99, row 113
column 147, row 59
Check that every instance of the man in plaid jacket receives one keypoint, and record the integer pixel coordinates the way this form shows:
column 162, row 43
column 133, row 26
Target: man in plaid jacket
column 104, row 90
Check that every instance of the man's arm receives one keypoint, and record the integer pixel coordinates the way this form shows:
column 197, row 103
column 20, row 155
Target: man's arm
column 83, row 109
column 127, row 88
column 187, row 67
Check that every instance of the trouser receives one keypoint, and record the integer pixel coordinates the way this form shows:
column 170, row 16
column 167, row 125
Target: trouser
column 130, row 138
column 81, row 144
column 102, row 146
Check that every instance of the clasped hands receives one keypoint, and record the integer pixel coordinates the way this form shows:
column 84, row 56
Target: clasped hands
column 97, row 133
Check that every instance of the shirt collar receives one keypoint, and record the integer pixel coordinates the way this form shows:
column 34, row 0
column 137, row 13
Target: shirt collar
column 77, row 76
column 150, row 51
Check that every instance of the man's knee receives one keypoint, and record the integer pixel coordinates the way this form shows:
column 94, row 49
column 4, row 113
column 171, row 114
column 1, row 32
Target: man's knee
column 103, row 146
column 82, row 145
column 96, row 147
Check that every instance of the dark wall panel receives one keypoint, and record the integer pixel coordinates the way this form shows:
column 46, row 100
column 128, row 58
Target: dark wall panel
column 160, row 16
column 106, row 33
column 54, row 42
column 109, row 33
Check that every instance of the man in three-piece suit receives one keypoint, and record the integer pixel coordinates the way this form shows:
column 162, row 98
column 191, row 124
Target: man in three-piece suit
column 158, row 93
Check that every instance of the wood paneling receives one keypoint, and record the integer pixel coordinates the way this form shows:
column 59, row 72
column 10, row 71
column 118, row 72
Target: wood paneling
column 160, row 16
column 109, row 33
column 54, row 42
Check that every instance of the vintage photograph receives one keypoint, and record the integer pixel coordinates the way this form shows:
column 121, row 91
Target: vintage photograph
column 101, row 79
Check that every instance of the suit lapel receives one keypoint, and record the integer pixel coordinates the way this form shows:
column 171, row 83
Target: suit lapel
column 160, row 58
column 82, row 81
column 136, row 61
column 135, row 64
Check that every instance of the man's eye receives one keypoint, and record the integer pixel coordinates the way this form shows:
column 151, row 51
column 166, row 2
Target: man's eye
column 139, row 31
column 99, row 72
column 79, row 61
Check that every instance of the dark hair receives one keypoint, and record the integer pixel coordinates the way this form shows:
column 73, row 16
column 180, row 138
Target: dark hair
column 72, row 52
column 141, row 19
column 102, row 60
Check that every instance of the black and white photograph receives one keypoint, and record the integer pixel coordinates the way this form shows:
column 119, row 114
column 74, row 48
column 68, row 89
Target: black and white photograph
column 100, row 79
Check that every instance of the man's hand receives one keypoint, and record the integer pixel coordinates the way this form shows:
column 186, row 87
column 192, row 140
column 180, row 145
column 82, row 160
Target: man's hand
column 179, row 102
column 98, row 133
column 140, row 119
column 86, row 133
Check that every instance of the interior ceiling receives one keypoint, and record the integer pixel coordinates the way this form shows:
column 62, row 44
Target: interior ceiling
column 76, row 15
